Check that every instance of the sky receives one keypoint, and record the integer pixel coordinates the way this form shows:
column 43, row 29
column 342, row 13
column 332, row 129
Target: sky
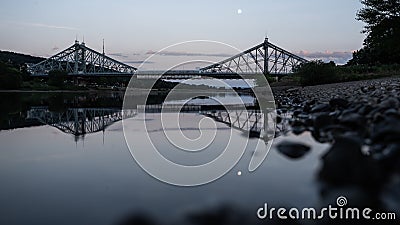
column 133, row 30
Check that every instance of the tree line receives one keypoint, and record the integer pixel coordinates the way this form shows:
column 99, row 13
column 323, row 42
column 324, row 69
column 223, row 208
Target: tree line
column 382, row 45
column 379, row 56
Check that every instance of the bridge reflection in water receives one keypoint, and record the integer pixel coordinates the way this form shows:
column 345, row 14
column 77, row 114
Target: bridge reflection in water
column 252, row 122
column 79, row 121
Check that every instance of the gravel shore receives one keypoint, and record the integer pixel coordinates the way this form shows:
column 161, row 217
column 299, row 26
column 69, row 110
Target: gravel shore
column 361, row 122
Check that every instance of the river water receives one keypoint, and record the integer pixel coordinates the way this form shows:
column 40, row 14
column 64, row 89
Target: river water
column 59, row 167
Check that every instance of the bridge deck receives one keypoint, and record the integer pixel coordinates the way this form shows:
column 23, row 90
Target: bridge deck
column 172, row 75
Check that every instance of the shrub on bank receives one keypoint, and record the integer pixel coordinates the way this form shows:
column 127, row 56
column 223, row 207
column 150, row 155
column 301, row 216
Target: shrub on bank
column 317, row 72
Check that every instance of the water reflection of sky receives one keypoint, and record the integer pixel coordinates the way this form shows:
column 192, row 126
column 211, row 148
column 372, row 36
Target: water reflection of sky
column 50, row 178
column 226, row 99
column 227, row 83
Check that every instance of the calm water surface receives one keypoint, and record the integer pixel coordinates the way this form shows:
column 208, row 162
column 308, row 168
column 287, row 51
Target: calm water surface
column 55, row 174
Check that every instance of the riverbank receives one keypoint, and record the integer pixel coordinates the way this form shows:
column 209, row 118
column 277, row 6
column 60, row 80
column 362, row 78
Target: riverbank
column 341, row 108
column 361, row 122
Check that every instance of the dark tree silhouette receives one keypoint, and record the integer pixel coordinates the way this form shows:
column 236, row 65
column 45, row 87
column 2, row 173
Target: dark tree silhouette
column 10, row 77
column 381, row 46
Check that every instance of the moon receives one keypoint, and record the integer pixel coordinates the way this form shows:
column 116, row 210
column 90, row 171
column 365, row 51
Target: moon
column 239, row 11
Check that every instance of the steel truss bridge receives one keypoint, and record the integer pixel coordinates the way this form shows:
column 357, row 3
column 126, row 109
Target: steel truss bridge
column 82, row 61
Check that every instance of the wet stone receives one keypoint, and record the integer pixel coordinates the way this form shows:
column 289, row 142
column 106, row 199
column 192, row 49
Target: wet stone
column 390, row 102
column 320, row 108
column 387, row 131
column 298, row 130
column 340, row 160
column 339, row 102
column 322, row 121
column 297, row 112
column 391, row 112
column 293, row 150
column 353, row 120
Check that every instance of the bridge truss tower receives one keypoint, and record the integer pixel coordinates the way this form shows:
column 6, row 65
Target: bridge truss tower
column 265, row 58
column 80, row 60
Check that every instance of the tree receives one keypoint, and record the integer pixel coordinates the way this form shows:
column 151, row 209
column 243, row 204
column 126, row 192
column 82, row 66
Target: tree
column 10, row 78
column 56, row 78
column 381, row 46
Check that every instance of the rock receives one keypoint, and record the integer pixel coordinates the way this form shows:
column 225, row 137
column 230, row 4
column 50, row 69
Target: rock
column 344, row 163
column 297, row 123
column 303, row 116
column 322, row 121
column 292, row 90
column 364, row 89
column 306, row 108
column 311, row 102
column 296, row 100
column 282, row 110
column 298, row 130
column 386, row 131
column 392, row 112
column 389, row 153
column 338, row 102
column 390, row 102
column 352, row 120
column 320, row 108
column 391, row 194
column 364, row 110
column 293, row 150
column 297, row 112
column 278, row 119
column 336, row 129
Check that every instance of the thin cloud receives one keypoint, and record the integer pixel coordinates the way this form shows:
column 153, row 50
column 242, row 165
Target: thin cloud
column 139, row 62
column 338, row 57
column 49, row 26
column 122, row 55
column 176, row 53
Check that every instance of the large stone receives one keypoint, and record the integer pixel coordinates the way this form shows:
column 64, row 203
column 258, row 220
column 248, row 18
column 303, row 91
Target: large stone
column 293, row 150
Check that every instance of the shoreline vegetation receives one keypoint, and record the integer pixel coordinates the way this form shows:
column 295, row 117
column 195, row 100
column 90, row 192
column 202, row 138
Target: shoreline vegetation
column 15, row 77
